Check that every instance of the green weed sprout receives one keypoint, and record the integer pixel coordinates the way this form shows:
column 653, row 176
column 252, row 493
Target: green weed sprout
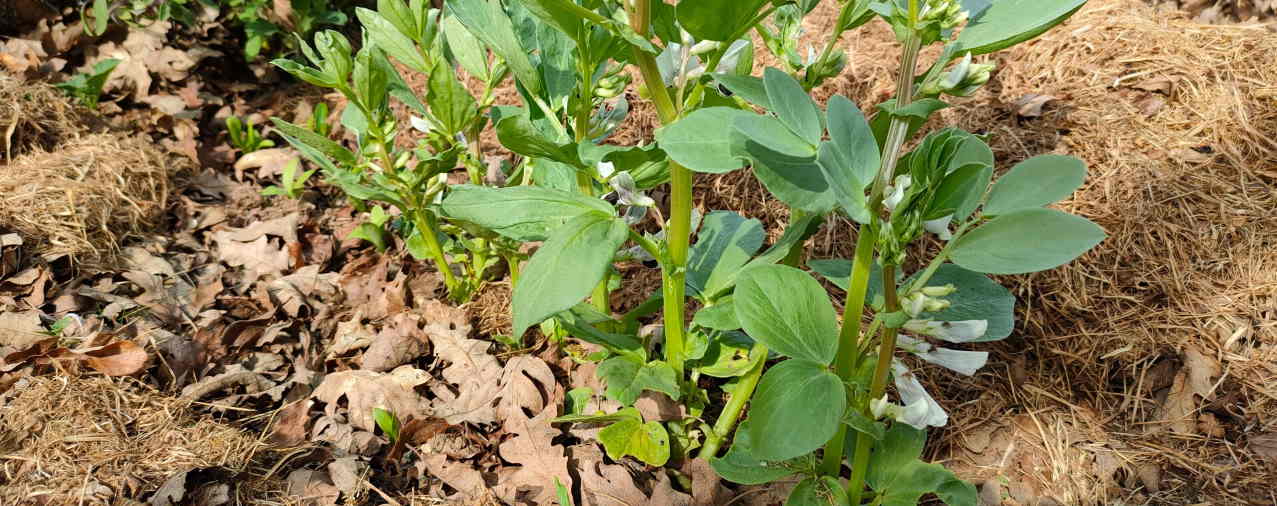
column 86, row 87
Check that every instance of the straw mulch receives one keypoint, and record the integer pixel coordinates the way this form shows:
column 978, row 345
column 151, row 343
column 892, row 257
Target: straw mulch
column 33, row 116
column 82, row 198
column 85, row 440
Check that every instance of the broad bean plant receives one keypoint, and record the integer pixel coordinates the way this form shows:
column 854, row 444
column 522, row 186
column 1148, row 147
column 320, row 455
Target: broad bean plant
column 765, row 361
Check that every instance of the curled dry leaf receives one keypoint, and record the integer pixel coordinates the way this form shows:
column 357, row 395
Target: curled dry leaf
column 121, row 358
column 470, row 368
column 365, row 390
column 269, row 162
column 1195, row 379
column 400, row 341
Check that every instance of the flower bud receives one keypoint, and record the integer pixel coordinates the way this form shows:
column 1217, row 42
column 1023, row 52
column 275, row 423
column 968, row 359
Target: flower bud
column 879, row 407
column 705, row 46
column 939, row 291
column 933, row 305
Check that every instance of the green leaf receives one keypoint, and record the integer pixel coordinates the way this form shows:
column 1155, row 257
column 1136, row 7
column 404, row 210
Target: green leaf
column 519, row 134
column 717, row 19
column 861, row 423
column 793, row 106
column 371, row 233
column 522, row 213
column 400, row 15
column 848, row 191
column 787, row 310
column 627, row 377
column 388, row 37
column 729, row 354
column 555, row 14
column 450, row 100
column 740, row 465
column 720, row 316
column 465, row 47
column 1035, row 182
column 783, row 162
column 567, row 267
column 487, row 21
column 900, row 479
column 797, row 232
column 317, row 148
column 576, row 400
column 388, row 423
column 749, row 88
column 977, row 298
column 818, row 491
column 561, row 493
column 959, row 192
column 850, row 134
column 796, row 409
column 647, row 442
column 701, row 141
column 1009, row 22
column 723, row 246
column 1025, row 241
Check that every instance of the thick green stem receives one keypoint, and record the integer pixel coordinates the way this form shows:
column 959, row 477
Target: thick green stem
column 796, row 252
column 735, row 405
column 886, row 351
column 848, row 345
column 678, row 229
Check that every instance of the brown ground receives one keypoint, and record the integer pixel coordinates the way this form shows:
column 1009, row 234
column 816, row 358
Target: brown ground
column 1140, row 374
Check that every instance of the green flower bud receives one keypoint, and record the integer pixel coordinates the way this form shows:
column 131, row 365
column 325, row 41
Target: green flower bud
column 939, row 291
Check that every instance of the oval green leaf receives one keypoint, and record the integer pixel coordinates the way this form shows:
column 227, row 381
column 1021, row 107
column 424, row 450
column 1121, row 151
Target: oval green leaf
column 787, row 310
column 1035, row 182
column 716, row 19
column 522, row 213
column 1009, row 22
column 1025, row 241
column 792, row 105
column 566, row 268
column 702, row 140
column 796, row 409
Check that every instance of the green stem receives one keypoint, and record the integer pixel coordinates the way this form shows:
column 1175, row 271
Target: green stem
column 426, row 227
column 512, row 262
column 678, row 229
column 848, row 349
column 861, row 264
column 796, row 251
column 886, row 351
column 735, row 405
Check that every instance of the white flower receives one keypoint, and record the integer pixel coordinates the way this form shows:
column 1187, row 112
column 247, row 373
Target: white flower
column 915, row 303
column 420, row 124
column 962, row 331
column 962, row 362
column 920, row 409
column 940, row 227
column 939, row 291
column 896, row 192
column 627, row 191
column 606, row 169
column 880, row 407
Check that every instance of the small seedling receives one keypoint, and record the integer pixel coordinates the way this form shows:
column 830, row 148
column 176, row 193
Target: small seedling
column 388, row 423
column 86, row 87
column 245, row 137
column 291, row 184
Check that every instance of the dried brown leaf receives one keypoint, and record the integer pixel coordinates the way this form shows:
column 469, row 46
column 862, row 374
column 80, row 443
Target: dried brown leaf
column 1195, row 379
column 400, row 341
column 365, row 390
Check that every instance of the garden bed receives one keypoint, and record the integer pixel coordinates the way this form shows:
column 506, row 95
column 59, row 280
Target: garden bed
column 1139, row 374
